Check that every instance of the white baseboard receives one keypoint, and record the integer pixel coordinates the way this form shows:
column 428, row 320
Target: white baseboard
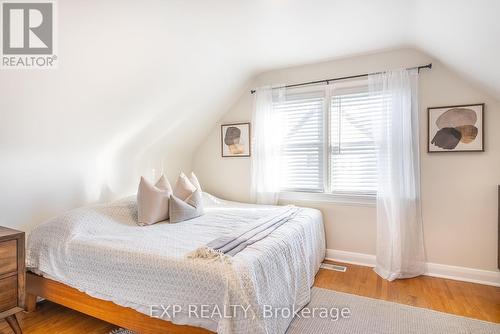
column 351, row 257
column 433, row 269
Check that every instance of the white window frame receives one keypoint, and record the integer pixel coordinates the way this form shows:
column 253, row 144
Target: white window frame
column 359, row 199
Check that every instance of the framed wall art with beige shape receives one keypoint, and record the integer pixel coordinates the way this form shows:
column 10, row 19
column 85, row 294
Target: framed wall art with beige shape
column 456, row 128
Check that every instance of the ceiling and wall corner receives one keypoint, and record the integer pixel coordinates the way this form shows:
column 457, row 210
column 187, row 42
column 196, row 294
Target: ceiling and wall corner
column 464, row 36
column 140, row 84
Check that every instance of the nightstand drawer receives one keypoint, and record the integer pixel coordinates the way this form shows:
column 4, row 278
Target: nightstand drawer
column 8, row 257
column 8, row 293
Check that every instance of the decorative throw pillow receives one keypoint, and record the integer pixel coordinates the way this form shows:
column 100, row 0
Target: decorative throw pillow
column 163, row 184
column 183, row 187
column 152, row 201
column 191, row 208
column 194, row 181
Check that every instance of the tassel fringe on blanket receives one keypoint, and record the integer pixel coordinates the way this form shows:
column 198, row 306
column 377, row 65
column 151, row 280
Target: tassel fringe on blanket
column 208, row 253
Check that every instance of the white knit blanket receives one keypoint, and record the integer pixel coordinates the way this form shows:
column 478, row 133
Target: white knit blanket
column 101, row 251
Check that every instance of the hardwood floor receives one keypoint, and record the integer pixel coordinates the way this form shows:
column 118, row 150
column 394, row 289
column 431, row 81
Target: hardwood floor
column 461, row 298
column 51, row 318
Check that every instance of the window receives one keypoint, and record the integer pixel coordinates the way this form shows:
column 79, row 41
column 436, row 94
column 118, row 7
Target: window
column 328, row 139
column 303, row 129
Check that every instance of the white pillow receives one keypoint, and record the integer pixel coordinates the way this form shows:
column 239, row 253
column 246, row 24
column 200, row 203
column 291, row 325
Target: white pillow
column 163, row 183
column 191, row 208
column 152, row 201
column 183, row 187
column 194, row 181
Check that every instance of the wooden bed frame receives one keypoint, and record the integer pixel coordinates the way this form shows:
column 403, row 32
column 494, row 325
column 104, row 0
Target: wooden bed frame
column 38, row 286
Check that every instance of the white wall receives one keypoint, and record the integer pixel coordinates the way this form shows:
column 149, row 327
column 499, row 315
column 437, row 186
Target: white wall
column 119, row 105
column 459, row 190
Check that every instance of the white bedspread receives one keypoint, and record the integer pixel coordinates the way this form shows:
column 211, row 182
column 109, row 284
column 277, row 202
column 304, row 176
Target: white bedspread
column 100, row 250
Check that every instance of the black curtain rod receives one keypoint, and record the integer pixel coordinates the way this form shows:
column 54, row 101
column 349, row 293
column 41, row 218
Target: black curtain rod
column 429, row 66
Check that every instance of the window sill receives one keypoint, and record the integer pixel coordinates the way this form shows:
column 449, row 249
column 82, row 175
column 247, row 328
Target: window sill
column 348, row 199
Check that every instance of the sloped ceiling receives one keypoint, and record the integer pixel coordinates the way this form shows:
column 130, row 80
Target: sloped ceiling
column 140, row 83
column 464, row 35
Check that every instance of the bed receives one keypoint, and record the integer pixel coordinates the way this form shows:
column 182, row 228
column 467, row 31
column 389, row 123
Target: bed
column 97, row 260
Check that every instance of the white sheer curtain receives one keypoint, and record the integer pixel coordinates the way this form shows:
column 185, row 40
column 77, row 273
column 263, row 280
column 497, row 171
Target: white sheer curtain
column 266, row 146
column 400, row 248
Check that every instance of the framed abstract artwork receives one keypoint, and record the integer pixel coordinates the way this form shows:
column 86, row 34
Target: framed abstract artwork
column 235, row 140
column 456, row 128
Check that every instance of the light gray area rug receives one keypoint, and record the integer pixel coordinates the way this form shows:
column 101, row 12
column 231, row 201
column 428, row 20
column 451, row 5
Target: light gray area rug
column 373, row 316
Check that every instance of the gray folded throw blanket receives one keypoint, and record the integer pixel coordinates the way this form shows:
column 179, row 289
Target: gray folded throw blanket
column 232, row 244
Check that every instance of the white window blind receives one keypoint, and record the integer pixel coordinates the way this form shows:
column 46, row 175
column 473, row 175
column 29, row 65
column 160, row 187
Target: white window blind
column 328, row 144
column 353, row 164
column 303, row 148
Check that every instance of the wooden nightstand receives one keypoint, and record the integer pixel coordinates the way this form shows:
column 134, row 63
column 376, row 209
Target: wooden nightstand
column 12, row 276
